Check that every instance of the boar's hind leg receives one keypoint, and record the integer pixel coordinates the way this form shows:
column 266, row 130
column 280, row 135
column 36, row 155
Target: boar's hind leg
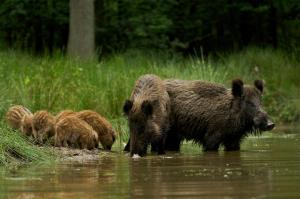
column 212, row 141
column 173, row 141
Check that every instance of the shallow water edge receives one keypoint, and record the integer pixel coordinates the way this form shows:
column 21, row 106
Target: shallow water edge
column 267, row 167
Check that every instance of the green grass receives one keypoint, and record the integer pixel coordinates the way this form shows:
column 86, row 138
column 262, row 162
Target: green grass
column 16, row 149
column 57, row 83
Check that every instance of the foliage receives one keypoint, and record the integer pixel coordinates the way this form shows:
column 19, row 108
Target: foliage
column 34, row 25
column 185, row 26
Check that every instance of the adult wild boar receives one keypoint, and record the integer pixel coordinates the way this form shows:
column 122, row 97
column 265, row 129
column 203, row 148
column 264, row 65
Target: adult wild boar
column 147, row 112
column 211, row 115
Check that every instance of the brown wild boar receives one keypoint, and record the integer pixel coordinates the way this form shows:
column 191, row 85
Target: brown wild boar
column 106, row 133
column 63, row 114
column 147, row 112
column 74, row 132
column 26, row 125
column 43, row 126
column 15, row 114
column 211, row 115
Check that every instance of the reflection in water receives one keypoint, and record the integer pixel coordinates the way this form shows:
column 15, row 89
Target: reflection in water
column 267, row 167
column 89, row 180
column 211, row 174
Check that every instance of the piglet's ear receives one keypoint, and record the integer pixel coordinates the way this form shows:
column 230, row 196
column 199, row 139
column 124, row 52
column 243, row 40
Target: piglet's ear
column 127, row 106
column 147, row 108
column 237, row 88
column 259, row 84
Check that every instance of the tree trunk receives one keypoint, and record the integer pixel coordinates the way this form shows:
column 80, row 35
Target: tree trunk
column 82, row 29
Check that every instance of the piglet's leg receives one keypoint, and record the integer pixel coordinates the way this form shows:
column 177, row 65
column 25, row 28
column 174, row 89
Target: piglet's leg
column 57, row 142
column 65, row 143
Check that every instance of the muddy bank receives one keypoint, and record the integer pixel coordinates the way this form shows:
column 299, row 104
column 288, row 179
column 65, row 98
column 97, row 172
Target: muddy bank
column 78, row 155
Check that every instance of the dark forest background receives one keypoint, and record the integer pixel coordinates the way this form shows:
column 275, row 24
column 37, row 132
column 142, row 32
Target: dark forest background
column 185, row 26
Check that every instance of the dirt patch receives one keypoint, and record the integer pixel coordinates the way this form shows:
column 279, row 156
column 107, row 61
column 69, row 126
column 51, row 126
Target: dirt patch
column 79, row 155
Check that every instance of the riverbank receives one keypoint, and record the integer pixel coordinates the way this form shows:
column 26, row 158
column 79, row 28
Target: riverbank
column 16, row 149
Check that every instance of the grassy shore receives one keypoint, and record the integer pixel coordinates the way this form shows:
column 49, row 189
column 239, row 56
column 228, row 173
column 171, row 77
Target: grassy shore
column 56, row 83
column 16, row 149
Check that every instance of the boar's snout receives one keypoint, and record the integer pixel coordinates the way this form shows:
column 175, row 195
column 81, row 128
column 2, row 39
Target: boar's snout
column 140, row 150
column 138, row 141
column 263, row 123
column 270, row 125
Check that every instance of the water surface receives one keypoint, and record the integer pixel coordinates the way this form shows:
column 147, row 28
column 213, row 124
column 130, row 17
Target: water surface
column 266, row 167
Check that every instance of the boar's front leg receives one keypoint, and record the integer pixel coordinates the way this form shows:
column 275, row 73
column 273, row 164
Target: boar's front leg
column 173, row 141
column 232, row 143
column 127, row 147
column 161, row 145
column 212, row 141
column 154, row 147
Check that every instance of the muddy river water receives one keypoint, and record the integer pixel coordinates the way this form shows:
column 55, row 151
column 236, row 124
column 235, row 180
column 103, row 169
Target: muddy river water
column 266, row 167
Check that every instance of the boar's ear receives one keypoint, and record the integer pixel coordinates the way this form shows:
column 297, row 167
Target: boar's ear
column 147, row 108
column 237, row 88
column 127, row 106
column 259, row 84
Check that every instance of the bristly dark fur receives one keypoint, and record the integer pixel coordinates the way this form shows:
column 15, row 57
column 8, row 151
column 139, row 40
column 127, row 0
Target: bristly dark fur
column 148, row 115
column 215, row 116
